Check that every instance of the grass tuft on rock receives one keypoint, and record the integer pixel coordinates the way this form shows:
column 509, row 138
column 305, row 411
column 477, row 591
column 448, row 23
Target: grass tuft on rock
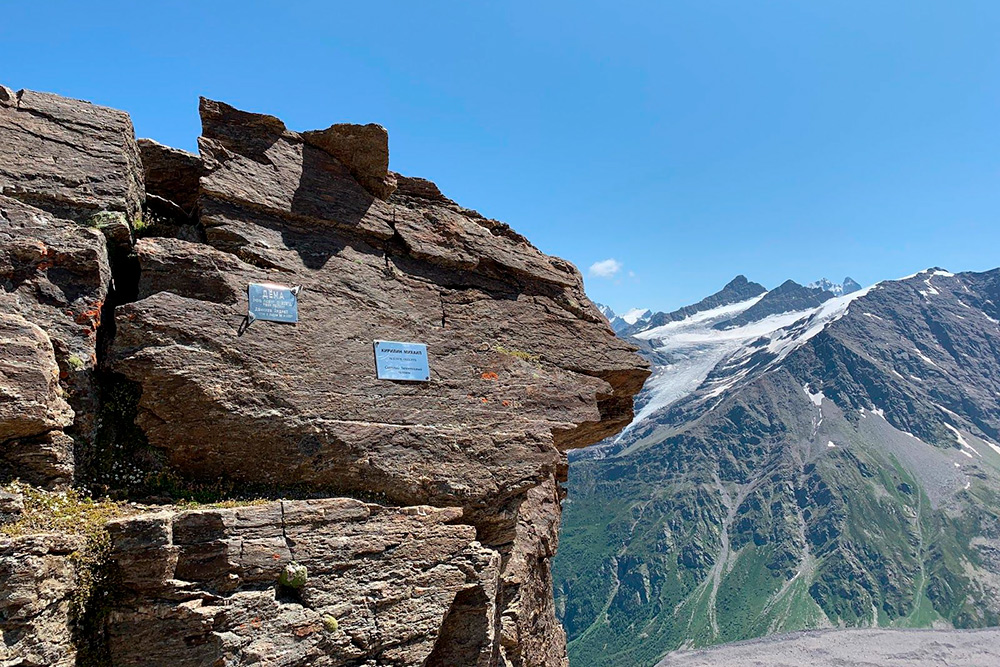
column 68, row 512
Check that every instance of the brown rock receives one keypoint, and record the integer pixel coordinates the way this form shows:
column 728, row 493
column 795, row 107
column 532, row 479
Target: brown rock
column 531, row 634
column 291, row 405
column 55, row 275
column 68, row 157
column 11, row 507
column 37, row 581
column 364, row 150
column 45, row 460
column 523, row 367
column 201, row 586
column 65, row 163
column 411, row 186
column 32, row 408
column 170, row 174
column 31, row 400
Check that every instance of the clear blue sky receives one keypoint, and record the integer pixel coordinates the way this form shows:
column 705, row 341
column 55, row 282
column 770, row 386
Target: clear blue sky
column 688, row 140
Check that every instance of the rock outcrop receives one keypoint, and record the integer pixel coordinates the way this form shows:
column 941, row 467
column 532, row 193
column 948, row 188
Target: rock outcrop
column 521, row 364
column 427, row 513
column 203, row 586
column 38, row 578
column 31, row 404
column 72, row 158
column 55, row 276
column 171, row 175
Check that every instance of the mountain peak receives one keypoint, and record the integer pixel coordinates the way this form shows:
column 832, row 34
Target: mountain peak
column 627, row 319
column 606, row 311
column 736, row 290
column 787, row 286
column 848, row 286
column 787, row 297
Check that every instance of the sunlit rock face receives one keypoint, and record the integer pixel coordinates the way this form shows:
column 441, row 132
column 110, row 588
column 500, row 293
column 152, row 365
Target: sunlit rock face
column 431, row 509
column 521, row 363
column 69, row 170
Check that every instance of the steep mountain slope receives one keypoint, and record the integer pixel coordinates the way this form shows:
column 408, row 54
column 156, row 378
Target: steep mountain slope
column 835, row 465
column 737, row 290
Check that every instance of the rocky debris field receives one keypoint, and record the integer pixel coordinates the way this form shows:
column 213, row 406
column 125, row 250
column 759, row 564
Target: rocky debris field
column 852, row 648
column 352, row 521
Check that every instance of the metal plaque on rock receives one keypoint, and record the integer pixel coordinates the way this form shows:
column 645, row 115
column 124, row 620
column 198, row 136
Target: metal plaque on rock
column 395, row 360
column 274, row 303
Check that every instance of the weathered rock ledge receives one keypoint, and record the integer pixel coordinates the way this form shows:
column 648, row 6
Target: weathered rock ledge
column 428, row 513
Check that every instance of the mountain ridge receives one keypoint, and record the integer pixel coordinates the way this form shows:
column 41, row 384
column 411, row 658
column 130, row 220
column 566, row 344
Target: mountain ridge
column 835, row 465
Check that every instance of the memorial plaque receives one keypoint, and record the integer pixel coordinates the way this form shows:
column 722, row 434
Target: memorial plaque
column 274, row 303
column 401, row 361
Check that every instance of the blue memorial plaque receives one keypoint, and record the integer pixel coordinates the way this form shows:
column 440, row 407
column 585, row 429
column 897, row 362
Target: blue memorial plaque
column 275, row 303
column 401, row 361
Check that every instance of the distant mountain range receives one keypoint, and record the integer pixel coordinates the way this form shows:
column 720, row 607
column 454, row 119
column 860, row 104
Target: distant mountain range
column 849, row 285
column 805, row 457
column 634, row 317
column 737, row 290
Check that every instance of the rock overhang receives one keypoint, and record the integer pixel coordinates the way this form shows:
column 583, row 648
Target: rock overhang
column 522, row 364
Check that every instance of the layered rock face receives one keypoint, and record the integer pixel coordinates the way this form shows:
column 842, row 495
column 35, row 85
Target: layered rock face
column 37, row 582
column 377, row 581
column 70, row 157
column 430, row 511
column 69, row 170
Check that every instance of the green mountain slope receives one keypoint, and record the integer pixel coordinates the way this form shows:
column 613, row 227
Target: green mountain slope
column 849, row 479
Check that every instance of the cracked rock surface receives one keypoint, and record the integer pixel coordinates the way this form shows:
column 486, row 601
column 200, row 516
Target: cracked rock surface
column 64, row 164
column 202, row 586
column 428, row 512
column 37, row 581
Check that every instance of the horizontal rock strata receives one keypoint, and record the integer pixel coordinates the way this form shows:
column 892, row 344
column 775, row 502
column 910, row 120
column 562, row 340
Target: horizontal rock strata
column 203, row 586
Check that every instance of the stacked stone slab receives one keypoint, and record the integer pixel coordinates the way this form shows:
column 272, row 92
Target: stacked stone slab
column 69, row 157
column 200, row 586
column 438, row 503
column 68, row 171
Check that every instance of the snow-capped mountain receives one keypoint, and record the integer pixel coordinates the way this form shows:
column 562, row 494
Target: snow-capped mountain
column 619, row 323
column 686, row 350
column 738, row 289
column 849, row 285
column 797, row 460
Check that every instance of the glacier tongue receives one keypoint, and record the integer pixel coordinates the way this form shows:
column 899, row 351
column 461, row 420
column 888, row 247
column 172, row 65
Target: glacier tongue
column 692, row 349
